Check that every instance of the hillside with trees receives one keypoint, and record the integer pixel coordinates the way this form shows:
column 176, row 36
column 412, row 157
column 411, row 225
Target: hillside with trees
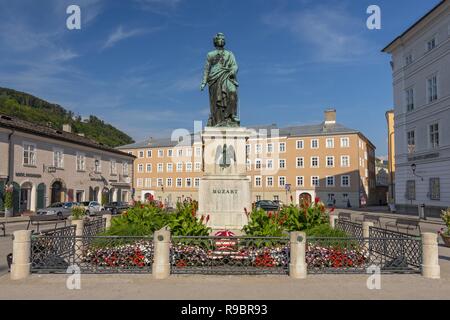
column 30, row 108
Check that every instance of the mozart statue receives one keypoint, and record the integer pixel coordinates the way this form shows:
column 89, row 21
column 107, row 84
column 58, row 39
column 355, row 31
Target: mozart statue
column 220, row 75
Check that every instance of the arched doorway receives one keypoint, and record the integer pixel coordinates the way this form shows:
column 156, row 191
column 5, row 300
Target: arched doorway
column 16, row 197
column 305, row 196
column 105, row 196
column 57, row 191
column 41, row 196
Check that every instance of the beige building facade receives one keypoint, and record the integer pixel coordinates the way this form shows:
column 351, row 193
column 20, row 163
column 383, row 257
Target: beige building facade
column 45, row 165
column 326, row 160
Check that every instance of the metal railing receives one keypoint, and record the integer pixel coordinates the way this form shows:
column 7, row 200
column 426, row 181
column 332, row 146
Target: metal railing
column 356, row 255
column 230, row 255
column 352, row 229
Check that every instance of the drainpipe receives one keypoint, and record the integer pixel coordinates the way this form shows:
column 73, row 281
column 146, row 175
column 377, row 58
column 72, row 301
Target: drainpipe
column 10, row 158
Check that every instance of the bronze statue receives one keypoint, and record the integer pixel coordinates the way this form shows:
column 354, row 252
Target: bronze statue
column 220, row 75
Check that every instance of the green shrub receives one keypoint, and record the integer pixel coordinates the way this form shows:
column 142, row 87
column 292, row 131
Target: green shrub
column 325, row 230
column 78, row 213
column 8, row 197
column 264, row 224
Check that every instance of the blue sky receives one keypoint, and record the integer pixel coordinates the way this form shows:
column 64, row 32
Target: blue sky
column 138, row 64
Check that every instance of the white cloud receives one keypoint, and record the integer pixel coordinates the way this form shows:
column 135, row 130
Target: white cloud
column 332, row 33
column 120, row 34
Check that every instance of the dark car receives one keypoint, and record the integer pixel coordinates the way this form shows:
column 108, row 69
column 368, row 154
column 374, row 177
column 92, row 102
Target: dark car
column 117, row 207
column 266, row 205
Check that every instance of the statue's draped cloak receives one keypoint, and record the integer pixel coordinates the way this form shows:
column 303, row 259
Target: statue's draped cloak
column 220, row 74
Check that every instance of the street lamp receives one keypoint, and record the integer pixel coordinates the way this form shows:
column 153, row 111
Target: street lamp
column 413, row 168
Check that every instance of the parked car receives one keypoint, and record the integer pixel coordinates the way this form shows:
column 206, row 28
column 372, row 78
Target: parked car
column 117, row 207
column 266, row 205
column 91, row 207
column 57, row 208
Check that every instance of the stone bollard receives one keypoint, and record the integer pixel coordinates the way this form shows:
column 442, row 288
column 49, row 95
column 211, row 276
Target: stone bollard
column 333, row 219
column 21, row 264
column 108, row 218
column 79, row 225
column 161, row 254
column 297, row 265
column 366, row 232
column 430, row 256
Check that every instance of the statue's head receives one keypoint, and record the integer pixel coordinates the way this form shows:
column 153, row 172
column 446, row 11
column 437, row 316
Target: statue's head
column 219, row 40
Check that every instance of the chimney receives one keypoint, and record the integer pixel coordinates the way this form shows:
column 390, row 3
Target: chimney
column 330, row 116
column 67, row 128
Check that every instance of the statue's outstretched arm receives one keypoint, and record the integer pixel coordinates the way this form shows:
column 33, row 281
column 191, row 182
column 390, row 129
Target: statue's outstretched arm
column 206, row 72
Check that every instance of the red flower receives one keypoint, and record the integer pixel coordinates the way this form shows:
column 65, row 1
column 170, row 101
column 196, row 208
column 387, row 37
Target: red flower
column 332, row 209
column 270, row 214
column 202, row 218
column 142, row 206
column 316, row 200
column 292, row 198
column 207, row 218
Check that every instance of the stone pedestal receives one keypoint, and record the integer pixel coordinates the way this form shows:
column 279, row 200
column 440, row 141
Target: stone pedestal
column 224, row 191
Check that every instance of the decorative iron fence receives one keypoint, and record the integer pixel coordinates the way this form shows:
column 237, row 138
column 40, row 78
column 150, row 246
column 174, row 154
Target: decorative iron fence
column 353, row 229
column 94, row 227
column 53, row 250
column 356, row 255
column 230, row 255
column 406, row 252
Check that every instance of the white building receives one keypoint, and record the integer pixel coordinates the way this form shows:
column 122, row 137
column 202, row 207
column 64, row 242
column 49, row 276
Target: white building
column 421, row 81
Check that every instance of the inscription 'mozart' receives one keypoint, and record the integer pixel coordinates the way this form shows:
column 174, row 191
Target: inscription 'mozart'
column 224, row 191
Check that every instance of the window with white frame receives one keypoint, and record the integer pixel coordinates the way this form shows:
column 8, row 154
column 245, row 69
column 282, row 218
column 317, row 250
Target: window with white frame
column 330, row 181
column 409, row 97
column 282, row 163
column 149, row 153
column 113, row 167
column 345, row 181
column 258, row 148
column 29, row 154
column 345, row 161
column 188, row 166
column 160, row 167
column 170, row 153
column 281, row 182
column 269, row 163
column 248, row 148
column 196, row 182
column 97, row 163
column 169, row 167
column 148, row 168
column 160, row 153
column 148, row 182
column 125, row 169
column 314, row 181
column 300, row 181
column 300, row 162
column 434, row 135
column 258, row 197
column 179, row 182
column 160, row 182
column 257, row 164
column 189, row 152
column 411, row 140
column 179, row 152
column 198, row 151
column 179, row 166
column 330, row 161
column 345, row 142
column 249, row 164
column 269, row 181
column 141, row 153
column 81, row 162
column 198, row 166
column 365, row 155
column 58, row 158
column 299, row 144
column 435, row 189
column 140, row 168
column 282, row 147
column 139, row 182
column 169, row 182
column 314, row 143
column 188, row 182
column 432, row 89
column 330, row 143
column 314, row 162
column 258, row 181
column 269, row 147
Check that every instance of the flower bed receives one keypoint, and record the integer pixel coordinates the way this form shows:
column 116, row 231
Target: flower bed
column 319, row 257
column 135, row 255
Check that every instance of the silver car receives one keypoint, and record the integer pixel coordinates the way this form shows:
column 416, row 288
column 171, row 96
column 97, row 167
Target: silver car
column 91, row 207
column 60, row 209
